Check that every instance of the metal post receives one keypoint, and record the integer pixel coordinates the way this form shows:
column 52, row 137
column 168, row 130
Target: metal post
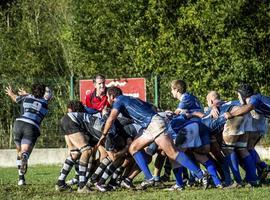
column 71, row 95
column 156, row 91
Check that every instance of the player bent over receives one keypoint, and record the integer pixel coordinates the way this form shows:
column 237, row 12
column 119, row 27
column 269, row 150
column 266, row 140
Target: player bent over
column 144, row 114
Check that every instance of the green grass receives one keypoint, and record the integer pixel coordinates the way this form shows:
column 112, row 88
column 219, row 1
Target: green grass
column 41, row 180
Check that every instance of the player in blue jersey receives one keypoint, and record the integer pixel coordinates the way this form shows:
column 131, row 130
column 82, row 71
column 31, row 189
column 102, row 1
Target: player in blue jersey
column 145, row 115
column 235, row 140
column 194, row 137
column 251, row 101
column 26, row 129
column 188, row 102
column 259, row 108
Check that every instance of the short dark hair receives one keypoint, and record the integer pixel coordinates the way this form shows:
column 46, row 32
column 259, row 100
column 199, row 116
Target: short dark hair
column 115, row 91
column 38, row 90
column 180, row 85
column 245, row 90
column 98, row 76
column 76, row 106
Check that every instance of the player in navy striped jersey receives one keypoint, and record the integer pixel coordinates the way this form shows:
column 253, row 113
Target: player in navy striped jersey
column 26, row 130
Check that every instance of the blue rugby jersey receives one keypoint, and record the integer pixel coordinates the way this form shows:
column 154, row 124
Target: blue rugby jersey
column 33, row 110
column 190, row 103
column 261, row 104
column 141, row 112
column 217, row 125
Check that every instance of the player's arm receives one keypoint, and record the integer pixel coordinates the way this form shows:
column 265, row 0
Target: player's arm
column 10, row 93
column 124, row 150
column 113, row 116
column 197, row 114
column 241, row 111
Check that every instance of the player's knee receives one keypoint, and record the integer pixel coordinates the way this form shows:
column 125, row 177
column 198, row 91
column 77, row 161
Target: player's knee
column 86, row 151
column 133, row 149
column 75, row 154
column 228, row 148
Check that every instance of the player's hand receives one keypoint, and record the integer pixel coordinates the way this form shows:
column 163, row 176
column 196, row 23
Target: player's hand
column 22, row 92
column 101, row 140
column 214, row 112
column 228, row 115
column 8, row 90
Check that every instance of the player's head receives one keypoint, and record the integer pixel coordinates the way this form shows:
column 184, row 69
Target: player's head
column 211, row 97
column 113, row 92
column 179, row 85
column 48, row 94
column 244, row 91
column 38, row 90
column 75, row 106
column 99, row 83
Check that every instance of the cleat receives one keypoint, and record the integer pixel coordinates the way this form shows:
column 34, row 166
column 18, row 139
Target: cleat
column 264, row 173
column 175, row 188
column 73, row 181
column 62, row 188
column 219, row 186
column 100, row 188
column 84, row 190
column 165, row 178
column 145, row 184
column 234, row 186
column 205, row 181
column 21, row 182
column 112, row 186
column 126, row 183
column 158, row 184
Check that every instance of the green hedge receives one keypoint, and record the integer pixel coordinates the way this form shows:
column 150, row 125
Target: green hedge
column 211, row 44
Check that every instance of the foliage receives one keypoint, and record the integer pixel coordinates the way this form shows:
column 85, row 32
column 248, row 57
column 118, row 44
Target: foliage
column 211, row 44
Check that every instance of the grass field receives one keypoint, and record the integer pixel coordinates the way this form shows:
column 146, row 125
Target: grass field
column 41, row 180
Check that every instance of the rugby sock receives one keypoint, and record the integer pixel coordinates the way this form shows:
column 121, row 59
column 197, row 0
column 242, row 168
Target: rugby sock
column 19, row 162
column 24, row 161
column 254, row 155
column 102, row 166
column 89, row 166
column 82, row 174
column 185, row 161
column 209, row 165
column 141, row 162
column 68, row 164
column 107, row 173
column 261, row 164
column 167, row 167
column 117, row 173
column 232, row 160
column 178, row 176
column 226, row 172
column 76, row 167
column 250, row 168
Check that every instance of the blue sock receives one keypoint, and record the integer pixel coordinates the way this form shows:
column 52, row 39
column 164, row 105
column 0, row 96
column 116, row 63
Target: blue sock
column 262, row 164
column 141, row 162
column 178, row 176
column 185, row 161
column 209, row 165
column 250, row 168
column 253, row 154
column 232, row 160
column 226, row 172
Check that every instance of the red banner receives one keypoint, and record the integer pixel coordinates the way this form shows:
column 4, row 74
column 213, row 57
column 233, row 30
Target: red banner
column 130, row 86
